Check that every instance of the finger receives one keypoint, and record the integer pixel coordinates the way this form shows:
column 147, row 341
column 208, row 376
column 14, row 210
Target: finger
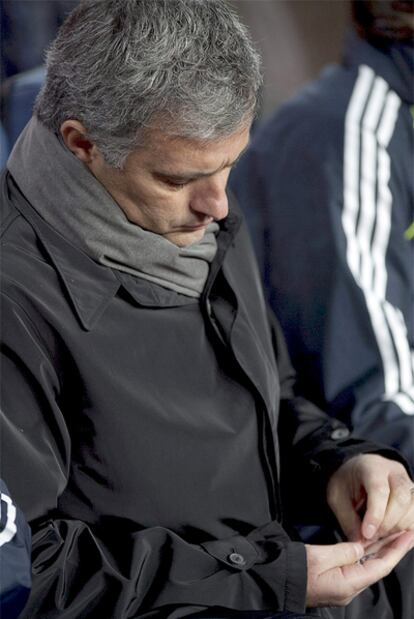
column 378, row 565
column 407, row 521
column 373, row 552
column 339, row 585
column 378, row 492
column 399, row 502
column 374, row 547
column 335, row 555
column 345, row 512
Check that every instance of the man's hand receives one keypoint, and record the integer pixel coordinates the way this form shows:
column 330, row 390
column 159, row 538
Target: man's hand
column 338, row 573
column 371, row 497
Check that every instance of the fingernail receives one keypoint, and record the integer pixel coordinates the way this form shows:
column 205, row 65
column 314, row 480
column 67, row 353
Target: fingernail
column 370, row 531
column 359, row 550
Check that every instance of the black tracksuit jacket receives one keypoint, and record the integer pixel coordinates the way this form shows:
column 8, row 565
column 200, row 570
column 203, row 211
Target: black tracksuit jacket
column 15, row 565
column 140, row 433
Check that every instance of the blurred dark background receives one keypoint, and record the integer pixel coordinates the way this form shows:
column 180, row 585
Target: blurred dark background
column 296, row 38
column 27, row 27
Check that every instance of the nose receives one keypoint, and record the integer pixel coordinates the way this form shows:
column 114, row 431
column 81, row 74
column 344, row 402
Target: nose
column 210, row 199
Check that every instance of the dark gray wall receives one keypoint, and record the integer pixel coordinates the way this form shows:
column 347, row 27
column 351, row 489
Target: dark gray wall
column 296, row 38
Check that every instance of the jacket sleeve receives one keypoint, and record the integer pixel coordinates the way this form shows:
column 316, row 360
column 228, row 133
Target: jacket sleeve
column 77, row 569
column 15, row 542
column 339, row 280
column 313, row 446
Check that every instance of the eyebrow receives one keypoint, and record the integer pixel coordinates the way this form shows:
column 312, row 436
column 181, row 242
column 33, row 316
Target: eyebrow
column 195, row 175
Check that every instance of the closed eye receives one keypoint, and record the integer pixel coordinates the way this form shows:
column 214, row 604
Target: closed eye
column 172, row 181
column 175, row 183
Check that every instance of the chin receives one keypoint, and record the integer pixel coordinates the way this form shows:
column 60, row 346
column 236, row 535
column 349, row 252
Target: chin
column 184, row 239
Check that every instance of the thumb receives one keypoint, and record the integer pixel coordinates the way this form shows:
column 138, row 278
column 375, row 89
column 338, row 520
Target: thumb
column 336, row 555
column 345, row 553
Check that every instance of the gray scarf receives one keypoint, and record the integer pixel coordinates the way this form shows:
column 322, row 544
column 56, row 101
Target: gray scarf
column 71, row 200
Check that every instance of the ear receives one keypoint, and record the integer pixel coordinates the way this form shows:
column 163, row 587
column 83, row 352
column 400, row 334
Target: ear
column 75, row 137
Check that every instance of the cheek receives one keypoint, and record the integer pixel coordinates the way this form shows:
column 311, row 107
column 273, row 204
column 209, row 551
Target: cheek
column 166, row 207
column 170, row 201
column 146, row 197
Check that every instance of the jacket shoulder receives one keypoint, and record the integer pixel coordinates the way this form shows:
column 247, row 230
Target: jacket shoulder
column 12, row 223
column 24, row 261
column 316, row 113
column 8, row 211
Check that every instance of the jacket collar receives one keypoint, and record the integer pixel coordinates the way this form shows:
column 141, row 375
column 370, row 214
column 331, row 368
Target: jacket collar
column 91, row 286
column 394, row 63
column 228, row 230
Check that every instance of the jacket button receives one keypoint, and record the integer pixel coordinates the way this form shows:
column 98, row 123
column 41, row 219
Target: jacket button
column 237, row 559
column 339, row 433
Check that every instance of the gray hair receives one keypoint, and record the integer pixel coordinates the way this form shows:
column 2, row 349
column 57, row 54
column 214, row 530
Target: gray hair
column 123, row 66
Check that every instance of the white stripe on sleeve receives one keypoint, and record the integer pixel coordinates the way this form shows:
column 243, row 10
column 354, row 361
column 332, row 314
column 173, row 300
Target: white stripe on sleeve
column 366, row 219
column 384, row 208
column 367, row 212
column 351, row 164
column 9, row 531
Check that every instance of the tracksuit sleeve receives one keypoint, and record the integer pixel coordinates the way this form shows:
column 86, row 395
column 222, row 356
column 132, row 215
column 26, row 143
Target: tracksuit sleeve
column 314, row 446
column 77, row 570
column 15, row 545
column 334, row 200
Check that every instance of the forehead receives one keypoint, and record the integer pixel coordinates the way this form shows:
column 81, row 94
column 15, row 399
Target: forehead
column 163, row 151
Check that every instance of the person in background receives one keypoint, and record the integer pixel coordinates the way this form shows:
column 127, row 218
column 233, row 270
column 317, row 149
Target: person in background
column 328, row 188
column 15, row 564
column 4, row 147
column 149, row 410
column 27, row 28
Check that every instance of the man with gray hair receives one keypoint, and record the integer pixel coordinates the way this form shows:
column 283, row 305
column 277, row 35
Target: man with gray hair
column 151, row 430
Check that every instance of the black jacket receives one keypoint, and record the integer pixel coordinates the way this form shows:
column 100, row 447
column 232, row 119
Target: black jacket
column 140, row 432
column 328, row 188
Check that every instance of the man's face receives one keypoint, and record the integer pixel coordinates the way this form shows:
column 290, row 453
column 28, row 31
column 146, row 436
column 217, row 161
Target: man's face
column 174, row 187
